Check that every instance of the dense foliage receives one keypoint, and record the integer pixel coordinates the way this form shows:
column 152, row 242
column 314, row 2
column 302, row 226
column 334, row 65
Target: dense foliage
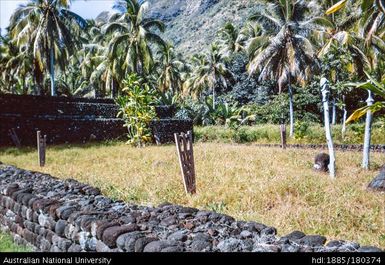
column 137, row 109
column 251, row 74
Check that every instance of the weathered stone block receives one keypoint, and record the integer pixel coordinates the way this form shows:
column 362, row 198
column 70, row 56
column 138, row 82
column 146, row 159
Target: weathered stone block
column 111, row 234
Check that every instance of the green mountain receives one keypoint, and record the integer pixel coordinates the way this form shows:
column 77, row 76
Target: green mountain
column 193, row 24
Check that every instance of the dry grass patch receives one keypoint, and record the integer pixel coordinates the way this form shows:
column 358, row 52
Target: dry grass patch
column 268, row 185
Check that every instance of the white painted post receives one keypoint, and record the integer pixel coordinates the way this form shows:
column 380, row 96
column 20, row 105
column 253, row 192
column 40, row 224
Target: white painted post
column 325, row 100
column 334, row 112
column 368, row 132
column 291, row 110
column 344, row 118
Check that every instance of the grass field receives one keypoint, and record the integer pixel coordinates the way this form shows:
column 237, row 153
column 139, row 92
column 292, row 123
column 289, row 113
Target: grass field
column 305, row 133
column 7, row 245
column 273, row 186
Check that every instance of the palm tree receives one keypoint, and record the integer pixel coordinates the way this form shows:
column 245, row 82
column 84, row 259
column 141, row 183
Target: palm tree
column 133, row 37
column 250, row 33
column 170, row 71
column 209, row 71
column 44, row 27
column 228, row 39
column 283, row 51
column 96, row 66
column 15, row 66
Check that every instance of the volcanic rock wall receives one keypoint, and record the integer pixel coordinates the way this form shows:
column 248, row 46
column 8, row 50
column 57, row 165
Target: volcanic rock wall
column 64, row 215
column 61, row 119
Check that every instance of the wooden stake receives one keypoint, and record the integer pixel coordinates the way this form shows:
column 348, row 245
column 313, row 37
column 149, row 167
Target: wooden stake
column 41, row 148
column 283, row 136
column 14, row 137
column 184, row 146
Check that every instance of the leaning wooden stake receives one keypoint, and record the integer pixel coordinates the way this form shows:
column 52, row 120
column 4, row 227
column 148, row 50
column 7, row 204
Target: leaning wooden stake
column 41, row 148
column 283, row 136
column 184, row 146
column 14, row 137
column 325, row 99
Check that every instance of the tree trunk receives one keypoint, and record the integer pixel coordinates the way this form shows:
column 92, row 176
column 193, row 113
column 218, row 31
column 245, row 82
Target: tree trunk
column 325, row 99
column 291, row 109
column 368, row 132
column 344, row 119
column 214, row 97
column 52, row 72
column 334, row 113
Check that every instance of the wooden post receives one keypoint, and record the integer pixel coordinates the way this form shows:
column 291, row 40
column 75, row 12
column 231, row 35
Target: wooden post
column 184, row 146
column 283, row 136
column 14, row 137
column 41, row 148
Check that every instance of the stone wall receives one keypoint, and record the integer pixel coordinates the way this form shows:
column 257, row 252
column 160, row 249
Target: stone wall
column 63, row 120
column 64, row 215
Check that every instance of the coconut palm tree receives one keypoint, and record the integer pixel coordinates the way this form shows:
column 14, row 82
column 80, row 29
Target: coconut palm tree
column 44, row 27
column 133, row 37
column 96, row 66
column 228, row 39
column 170, row 70
column 283, row 52
column 209, row 72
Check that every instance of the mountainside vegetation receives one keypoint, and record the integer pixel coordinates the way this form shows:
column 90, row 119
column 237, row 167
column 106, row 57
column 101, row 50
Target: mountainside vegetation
column 198, row 20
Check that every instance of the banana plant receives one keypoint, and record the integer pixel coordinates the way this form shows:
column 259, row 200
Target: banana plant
column 365, row 5
column 378, row 88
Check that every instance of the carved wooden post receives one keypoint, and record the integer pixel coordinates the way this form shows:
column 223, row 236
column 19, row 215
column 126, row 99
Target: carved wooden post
column 184, row 146
column 325, row 99
column 41, row 148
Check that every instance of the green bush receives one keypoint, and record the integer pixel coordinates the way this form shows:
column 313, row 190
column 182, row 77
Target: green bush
column 301, row 129
column 137, row 110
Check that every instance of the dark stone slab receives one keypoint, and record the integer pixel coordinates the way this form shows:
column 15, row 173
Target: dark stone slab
column 312, row 240
column 112, row 233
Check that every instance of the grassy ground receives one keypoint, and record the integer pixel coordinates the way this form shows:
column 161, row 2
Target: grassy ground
column 305, row 133
column 7, row 245
column 273, row 186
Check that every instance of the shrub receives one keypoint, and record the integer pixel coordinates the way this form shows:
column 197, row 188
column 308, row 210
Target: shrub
column 301, row 129
column 137, row 110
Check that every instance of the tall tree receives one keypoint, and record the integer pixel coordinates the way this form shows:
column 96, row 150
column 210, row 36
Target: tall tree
column 228, row 39
column 209, row 72
column 44, row 27
column 284, row 52
column 133, row 37
column 170, row 70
